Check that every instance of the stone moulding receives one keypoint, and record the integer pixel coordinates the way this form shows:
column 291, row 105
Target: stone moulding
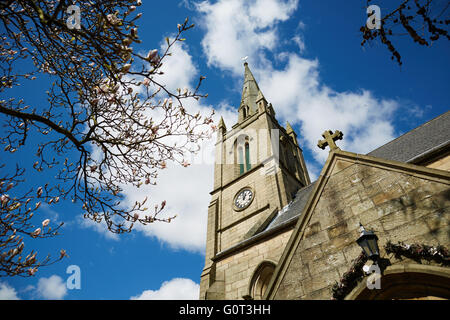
column 416, row 252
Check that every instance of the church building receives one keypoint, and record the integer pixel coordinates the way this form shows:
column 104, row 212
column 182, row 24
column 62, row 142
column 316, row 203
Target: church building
column 374, row 226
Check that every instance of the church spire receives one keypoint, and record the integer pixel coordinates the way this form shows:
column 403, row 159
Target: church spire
column 250, row 91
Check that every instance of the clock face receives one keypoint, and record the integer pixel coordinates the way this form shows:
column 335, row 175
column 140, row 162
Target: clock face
column 243, row 199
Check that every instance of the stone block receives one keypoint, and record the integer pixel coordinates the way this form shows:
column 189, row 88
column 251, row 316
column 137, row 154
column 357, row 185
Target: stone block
column 362, row 206
column 314, row 240
column 337, row 230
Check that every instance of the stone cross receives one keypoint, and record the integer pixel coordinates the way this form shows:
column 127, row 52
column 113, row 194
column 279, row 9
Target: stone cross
column 330, row 138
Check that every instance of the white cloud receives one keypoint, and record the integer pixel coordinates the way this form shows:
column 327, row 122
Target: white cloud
column 7, row 292
column 52, row 288
column 298, row 39
column 297, row 95
column 238, row 28
column 179, row 70
column 175, row 289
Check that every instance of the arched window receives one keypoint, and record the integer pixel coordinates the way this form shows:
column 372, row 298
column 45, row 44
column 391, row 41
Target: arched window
column 242, row 154
column 260, row 280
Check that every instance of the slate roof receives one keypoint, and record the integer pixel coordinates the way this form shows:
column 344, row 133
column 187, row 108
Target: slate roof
column 432, row 135
column 293, row 209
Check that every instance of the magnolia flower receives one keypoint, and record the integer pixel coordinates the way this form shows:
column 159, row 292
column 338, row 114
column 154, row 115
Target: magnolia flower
column 115, row 87
column 38, row 204
column 62, row 253
column 136, row 216
column 138, row 2
column 4, row 199
column 36, row 232
column 39, row 192
column 163, row 204
column 152, row 56
column 112, row 19
column 126, row 67
column 127, row 41
column 32, row 271
column 131, row 8
column 45, row 223
column 185, row 163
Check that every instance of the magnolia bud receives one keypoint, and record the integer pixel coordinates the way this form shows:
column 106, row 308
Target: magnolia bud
column 126, row 67
column 45, row 222
column 36, row 232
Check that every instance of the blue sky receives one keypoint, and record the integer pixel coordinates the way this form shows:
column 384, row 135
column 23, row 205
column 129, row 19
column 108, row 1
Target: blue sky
column 307, row 59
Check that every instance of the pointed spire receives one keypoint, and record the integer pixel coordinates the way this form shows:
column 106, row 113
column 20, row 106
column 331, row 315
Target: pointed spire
column 250, row 90
column 221, row 129
column 289, row 129
column 291, row 133
column 222, row 123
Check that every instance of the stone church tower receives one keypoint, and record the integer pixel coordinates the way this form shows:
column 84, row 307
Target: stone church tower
column 259, row 169
column 272, row 234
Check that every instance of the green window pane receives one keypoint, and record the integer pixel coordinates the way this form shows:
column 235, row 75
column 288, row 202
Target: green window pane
column 241, row 161
column 247, row 156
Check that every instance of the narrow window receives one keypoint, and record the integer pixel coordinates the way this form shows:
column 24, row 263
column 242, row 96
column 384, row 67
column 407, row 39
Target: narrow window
column 241, row 160
column 247, row 156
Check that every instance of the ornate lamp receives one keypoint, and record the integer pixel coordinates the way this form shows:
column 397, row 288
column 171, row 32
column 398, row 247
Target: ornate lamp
column 368, row 242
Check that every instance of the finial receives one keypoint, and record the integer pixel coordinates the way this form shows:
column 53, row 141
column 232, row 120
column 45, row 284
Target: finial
column 289, row 128
column 221, row 123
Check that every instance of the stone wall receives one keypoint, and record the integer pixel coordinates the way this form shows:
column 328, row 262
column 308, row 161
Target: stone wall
column 442, row 163
column 398, row 206
column 237, row 269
